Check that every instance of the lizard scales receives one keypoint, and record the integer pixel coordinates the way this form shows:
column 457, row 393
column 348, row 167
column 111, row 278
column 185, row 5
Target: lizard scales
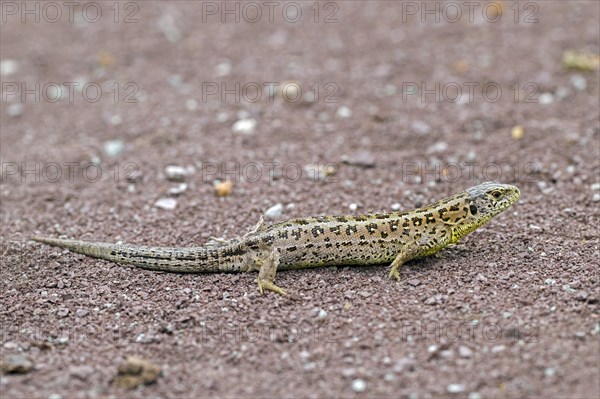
column 320, row 241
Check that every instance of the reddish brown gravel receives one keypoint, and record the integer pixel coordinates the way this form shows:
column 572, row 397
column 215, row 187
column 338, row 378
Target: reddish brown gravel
column 513, row 311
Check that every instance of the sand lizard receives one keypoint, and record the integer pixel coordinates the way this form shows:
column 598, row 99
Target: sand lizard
column 320, row 241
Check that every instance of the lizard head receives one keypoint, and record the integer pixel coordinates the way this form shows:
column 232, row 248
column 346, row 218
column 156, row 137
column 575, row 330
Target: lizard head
column 483, row 202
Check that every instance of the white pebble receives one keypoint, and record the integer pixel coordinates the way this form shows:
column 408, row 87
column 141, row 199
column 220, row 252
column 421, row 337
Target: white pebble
column 596, row 197
column 54, row 93
column 175, row 173
column 549, row 372
column 498, row 348
column 359, row 385
column 546, row 98
column 344, row 112
column 15, row 110
column 8, row 67
column 579, row 82
column 595, row 187
column 464, row 351
column 274, row 212
column 222, row 117
column 550, row 281
column 322, row 314
column 244, row 126
column 455, row 388
column 420, row 127
column 353, row 207
column 115, row 120
column 396, row 206
column 178, row 189
column 191, row 104
column 223, row 69
column 440, row 146
column 166, row 203
column 112, row 148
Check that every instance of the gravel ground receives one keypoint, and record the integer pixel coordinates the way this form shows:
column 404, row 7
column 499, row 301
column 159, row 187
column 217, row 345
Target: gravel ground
column 379, row 124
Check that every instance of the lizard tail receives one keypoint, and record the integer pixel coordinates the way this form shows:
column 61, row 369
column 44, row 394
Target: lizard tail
column 179, row 260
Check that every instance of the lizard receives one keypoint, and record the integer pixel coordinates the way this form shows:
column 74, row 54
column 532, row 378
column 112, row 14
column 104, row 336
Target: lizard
column 378, row 238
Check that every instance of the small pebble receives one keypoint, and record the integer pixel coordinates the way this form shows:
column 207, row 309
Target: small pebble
column 359, row 385
column 223, row 69
column 176, row 173
column 550, row 281
column 596, row 197
column 81, row 312
column 546, row 98
column 363, row 159
column 498, row 348
column 322, row 314
column 567, row 287
column 175, row 80
column 17, row 364
column 517, row 132
column 290, row 91
column 15, row 110
column 115, row 120
column 455, row 388
column 223, row 188
column 344, row 112
column 395, row 206
column 166, row 203
column 353, row 207
column 191, row 104
column 135, row 372
column 274, row 212
column 420, row 127
column 8, row 67
column 244, row 126
column 404, row 364
column 549, row 372
column 579, row 82
column 440, row 146
column 464, row 351
column 112, row 148
column 178, row 189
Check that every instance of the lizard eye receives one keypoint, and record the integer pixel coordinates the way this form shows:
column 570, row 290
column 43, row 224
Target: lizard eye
column 496, row 194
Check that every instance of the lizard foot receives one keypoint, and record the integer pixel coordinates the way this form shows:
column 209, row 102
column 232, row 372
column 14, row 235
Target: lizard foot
column 394, row 274
column 268, row 285
column 267, row 271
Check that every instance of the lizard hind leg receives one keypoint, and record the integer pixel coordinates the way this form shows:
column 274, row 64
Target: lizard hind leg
column 267, row 271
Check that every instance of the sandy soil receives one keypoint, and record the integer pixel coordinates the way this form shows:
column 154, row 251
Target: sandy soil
column 511, row 312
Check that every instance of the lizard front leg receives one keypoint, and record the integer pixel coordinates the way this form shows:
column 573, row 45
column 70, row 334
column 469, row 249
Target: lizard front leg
column 406, row 253
column 267, row 271
column 425, row 246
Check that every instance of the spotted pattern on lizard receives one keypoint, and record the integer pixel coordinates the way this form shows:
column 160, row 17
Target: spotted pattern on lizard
column 369, row 239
